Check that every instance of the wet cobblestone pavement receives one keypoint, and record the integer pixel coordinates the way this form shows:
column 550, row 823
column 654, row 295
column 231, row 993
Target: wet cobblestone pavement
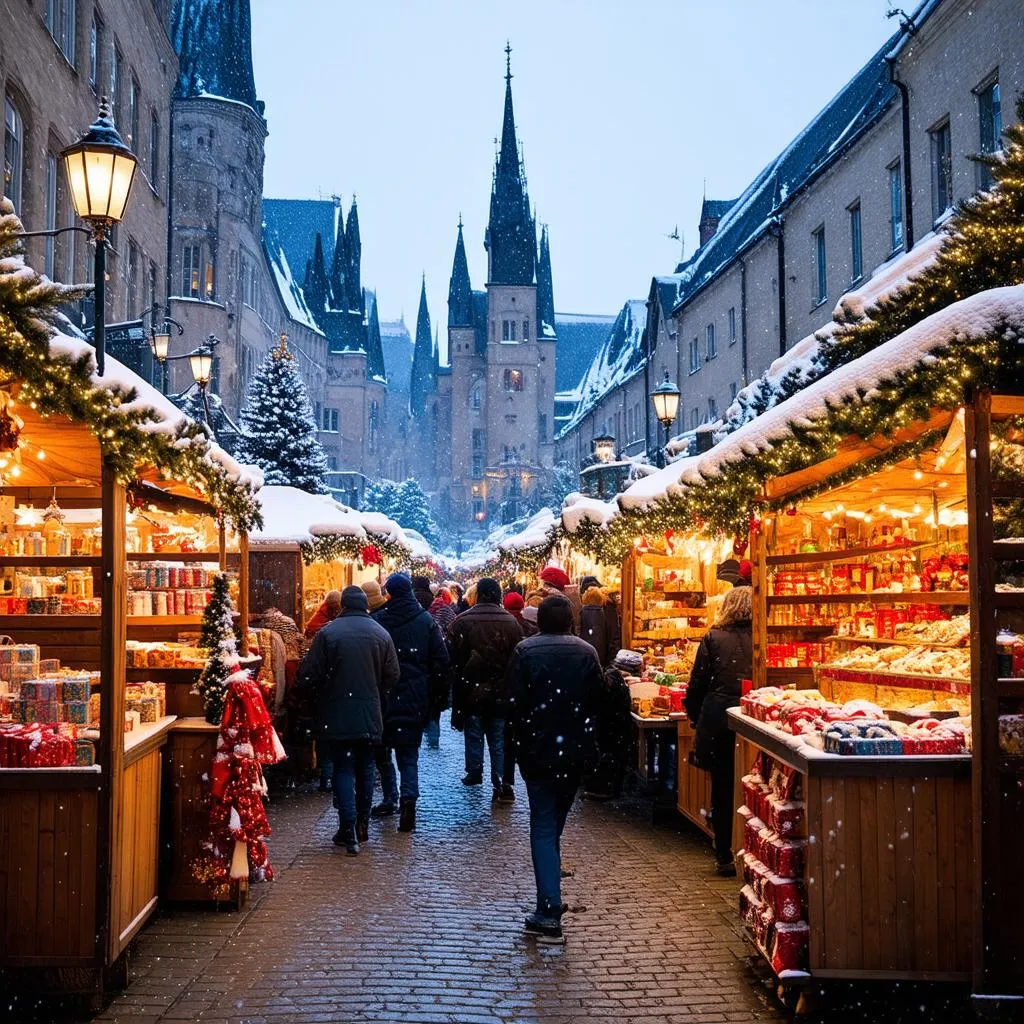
column 428, row 928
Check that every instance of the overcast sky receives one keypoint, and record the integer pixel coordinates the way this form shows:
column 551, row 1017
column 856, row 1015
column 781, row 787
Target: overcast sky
column 624, row 110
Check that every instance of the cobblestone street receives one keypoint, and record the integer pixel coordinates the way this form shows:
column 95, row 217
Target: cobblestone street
column 428, row 928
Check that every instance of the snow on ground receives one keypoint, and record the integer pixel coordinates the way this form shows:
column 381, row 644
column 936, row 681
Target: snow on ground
column 974, row 317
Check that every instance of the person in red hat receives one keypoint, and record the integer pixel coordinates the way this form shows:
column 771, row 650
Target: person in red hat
column 514, row 604
column 555, row 581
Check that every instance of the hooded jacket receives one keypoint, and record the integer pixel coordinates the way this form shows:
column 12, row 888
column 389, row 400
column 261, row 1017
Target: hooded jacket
column 482, row 641
column 599, row 624
column 349, row 669
column 423, row 661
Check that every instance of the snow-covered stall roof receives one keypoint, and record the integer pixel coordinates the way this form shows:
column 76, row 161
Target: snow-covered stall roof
column 976, row 317
column 535, row 533
column 293, row 516
column 578, row 508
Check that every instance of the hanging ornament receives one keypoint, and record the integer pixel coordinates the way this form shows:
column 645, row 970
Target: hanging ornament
column 739, row 546
column 11, row 424
column 54, row 513
column 370, row 555
column 791, row 511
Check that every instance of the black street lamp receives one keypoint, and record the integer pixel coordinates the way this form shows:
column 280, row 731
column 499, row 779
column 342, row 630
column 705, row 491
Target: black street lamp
column 666, row 404
column 100, row 169
column 160, row 340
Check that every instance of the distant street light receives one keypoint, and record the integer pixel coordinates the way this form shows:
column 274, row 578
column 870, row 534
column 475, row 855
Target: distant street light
column 666, row 404
column 604, row 448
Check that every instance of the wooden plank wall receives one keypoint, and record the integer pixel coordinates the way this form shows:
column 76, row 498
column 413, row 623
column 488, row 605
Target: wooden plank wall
column 889, row 876
column 694, row 786
column 76, row 646
column 48, row 844
column 136, row 848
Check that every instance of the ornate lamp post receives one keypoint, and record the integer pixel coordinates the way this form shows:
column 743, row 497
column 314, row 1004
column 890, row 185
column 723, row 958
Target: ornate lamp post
column 100, row 169
column 666, row 404
column 604, row 448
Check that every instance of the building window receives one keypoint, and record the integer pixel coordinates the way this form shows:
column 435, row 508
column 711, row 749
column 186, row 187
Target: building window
column 694, row 418
column 694, row 355
column 374, row 418
column 712, row 410
column 67, row 240
column 942, row 169
column 154, row 150
column 133, row 114
column 511, row 419
column 208, row 280
column 50, row 215
column 332, row 463
column 334, row 421
column 896, row 206
column 190, row 270
column 508, row 330
column 732, row 325
column 478, row 508
column 131, row 300
column 733, row 390
column 316, row 412
column 513, row 380
column 60, row 20
column 116, row 74
column 476, row 396
column 990, row 122
column 820, row 266
column 95, row 49
column 14, row 149
column 856, row 252
column 526, row 330
column 709, row 337
column 151, row 286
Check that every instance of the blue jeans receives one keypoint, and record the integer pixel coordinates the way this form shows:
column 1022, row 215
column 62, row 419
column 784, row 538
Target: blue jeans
column 550, row 800
column 353, row 781
column 477, row 728
column 407, row 756
column 433, row 733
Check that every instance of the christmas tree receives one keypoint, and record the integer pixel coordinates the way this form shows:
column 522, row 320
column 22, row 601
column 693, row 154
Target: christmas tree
column 217, row 636
column 279, row 427
column 406, row 503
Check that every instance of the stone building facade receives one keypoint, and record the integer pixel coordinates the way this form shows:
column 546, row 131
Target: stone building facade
column 874, row 173
column 57, row 59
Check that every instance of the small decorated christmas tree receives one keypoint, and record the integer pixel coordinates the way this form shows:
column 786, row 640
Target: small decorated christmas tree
column 279, row 427
column 217, row 636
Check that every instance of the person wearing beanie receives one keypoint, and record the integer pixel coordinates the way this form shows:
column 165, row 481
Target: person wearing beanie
column 348, row 672
column 423, row 676
column 515, row 605
column 554, row 581
column 555, row 687
column 376, row 598
column 482, row 641
column 421, row 590
column 327, row 612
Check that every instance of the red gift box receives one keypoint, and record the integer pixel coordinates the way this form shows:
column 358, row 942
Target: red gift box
column 789, row 947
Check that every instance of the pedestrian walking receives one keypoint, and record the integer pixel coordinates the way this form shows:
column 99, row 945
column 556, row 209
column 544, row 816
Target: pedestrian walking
column 443, row 611
column 375, row 597
column 555, row 686
column 595, row 626
column 614, row 728
column 555, row 581
column 328, row 611
column 423, row 662
column 723, row 661
column 349, row 670
column 422, row 592
column 515, row 604
column 482, row 641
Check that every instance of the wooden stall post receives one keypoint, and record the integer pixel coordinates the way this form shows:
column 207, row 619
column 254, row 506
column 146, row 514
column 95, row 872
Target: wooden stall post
column 759, row 560
column 243, row 586
column 628, row 598
column 113, row 639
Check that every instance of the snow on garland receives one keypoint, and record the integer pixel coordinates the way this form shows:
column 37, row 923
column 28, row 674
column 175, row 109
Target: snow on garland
column 132, row 423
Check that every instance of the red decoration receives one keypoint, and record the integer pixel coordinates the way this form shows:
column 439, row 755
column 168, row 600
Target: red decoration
column 236, row 847
column 791, row 511
column 370, row 555
column 739, row 546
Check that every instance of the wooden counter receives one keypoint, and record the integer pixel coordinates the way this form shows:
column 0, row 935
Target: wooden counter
column 693, row 793
column 887, row 874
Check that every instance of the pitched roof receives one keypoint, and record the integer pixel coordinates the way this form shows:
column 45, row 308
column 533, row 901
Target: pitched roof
column 296, row 222
column 844, row 118
column 580, row 337
column 715, row 208
column 288, row 288
column 397, row 344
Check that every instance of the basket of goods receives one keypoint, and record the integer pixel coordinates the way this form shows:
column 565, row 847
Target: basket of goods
column 862, row 738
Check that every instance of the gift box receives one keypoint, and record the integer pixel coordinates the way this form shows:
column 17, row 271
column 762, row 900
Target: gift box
column 784, row 896
column 789, row 947
column 85, row 753
column 76, row 712
column 786, row 817
column 76, row 689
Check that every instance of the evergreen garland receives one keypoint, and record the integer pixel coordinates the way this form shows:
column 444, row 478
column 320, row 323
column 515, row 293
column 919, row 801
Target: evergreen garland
column 330, row 547
column 279, row 428
column 57, row 384
column 217, row 637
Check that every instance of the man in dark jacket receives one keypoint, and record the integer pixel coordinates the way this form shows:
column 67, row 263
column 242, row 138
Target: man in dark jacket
column 349, row 669
column 423, row 659
column 421, row 590
column 481, row 641
column 555, row 686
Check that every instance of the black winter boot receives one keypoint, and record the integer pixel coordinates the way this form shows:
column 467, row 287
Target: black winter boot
column 346, row 836
column 363, row 830
column 407, row 816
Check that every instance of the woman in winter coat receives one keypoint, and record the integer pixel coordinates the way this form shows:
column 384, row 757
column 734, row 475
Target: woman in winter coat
column 443, row 610
column 423, row 664
column 595, row 626
column 716, row 683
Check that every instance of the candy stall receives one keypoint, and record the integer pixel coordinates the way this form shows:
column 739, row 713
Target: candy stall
column 879, row 755
column 104, row 561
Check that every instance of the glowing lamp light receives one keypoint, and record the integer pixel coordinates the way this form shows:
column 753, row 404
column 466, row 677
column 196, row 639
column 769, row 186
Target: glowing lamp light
column 666, row 401
column 100, row 171
column 160, row 343
column 604, row 448
column 201, row 362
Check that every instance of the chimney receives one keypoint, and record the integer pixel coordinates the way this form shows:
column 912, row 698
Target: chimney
column 711, row 212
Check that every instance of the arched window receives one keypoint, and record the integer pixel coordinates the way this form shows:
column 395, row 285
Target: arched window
column 476, row 395
column 14, row 151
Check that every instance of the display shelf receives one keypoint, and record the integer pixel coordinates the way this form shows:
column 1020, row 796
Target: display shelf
column 1009, row 600
column 904, row 680
column 882, row 642
column 802, row 673
column 812, row 557
column 1008, row 550
column 175, row 674
column 174, row 556
column 779, row 627
column 164, row 620
column 1007, row 488
column 952, row 597
column 1010, row 688
column 44, row 561
column 687, row 633
column 17, row 622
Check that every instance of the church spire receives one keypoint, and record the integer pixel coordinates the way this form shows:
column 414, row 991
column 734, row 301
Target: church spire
column 317, row 286
column 422, row 382
column 354, row 253
column 213, row 40
column 339, row 267
column 374, row 346
column 510, row 241
column 545, row 288
column 460, row 291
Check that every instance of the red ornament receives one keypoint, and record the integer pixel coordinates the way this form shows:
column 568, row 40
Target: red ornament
column 739, row 546
column 370, row 555
column 791, row 511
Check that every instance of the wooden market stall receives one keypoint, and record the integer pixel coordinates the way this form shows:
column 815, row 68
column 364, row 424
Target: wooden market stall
column 83, row 766
column 878, row 583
